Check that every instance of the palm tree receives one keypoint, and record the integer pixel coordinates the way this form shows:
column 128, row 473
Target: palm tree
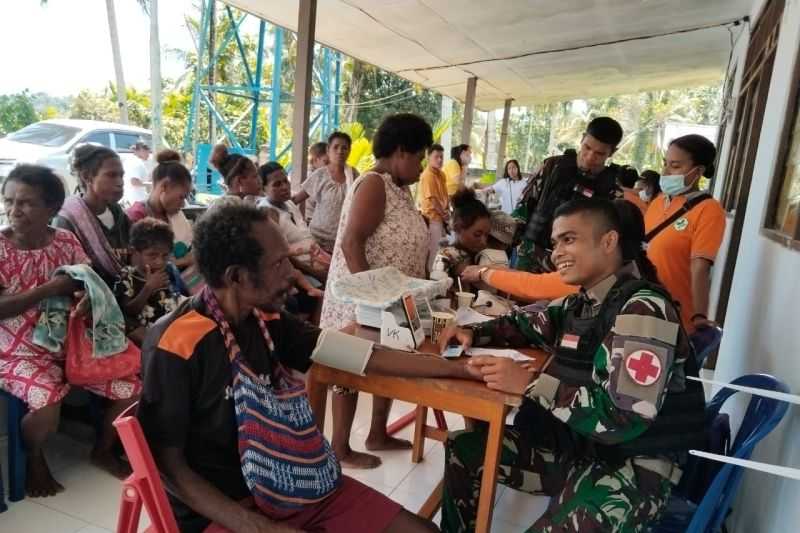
column 122, row 101
column 155, row 65
column 155, row 75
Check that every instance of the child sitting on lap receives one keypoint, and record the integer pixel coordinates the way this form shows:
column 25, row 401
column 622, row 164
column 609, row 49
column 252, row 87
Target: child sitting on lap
column 151, row 287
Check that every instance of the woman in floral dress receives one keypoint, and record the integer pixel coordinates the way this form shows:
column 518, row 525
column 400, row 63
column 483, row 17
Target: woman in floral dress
column 380, row 227
column 30, row 251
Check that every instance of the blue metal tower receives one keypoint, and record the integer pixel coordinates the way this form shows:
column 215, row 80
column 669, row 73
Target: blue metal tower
column 325, row 98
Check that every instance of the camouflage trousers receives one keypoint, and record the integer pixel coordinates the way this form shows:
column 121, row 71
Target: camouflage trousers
column 532, row 258
column 587, row 495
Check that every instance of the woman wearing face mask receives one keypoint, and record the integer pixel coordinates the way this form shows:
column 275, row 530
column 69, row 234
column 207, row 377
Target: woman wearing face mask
column 647, row 186
column 684, row 251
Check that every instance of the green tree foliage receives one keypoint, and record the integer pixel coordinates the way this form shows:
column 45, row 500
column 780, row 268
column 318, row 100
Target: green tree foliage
column 540, row 131
column 16, row 112
column 529, row 134
column 371, row 93
column 93, row 106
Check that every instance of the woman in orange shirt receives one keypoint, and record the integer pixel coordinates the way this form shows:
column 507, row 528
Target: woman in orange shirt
column 684, row 251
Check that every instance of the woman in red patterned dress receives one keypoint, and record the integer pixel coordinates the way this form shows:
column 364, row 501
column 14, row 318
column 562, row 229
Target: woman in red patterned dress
column 30, row 250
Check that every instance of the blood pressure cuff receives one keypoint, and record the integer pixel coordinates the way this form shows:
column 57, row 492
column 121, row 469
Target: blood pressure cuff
column 342, row 351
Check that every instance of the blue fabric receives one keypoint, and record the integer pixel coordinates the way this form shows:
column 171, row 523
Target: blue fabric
column 176, row 284
column 108, row 323
column 761, row 417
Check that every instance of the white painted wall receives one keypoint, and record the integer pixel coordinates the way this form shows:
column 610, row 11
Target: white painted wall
column 762, row 333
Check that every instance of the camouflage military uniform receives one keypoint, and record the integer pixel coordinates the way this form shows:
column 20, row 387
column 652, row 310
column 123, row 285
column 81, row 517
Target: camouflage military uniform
column 558, row 181
column 529, row 258
column 564, row 439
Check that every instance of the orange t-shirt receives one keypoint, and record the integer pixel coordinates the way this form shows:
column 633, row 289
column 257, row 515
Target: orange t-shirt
column 432, row 185
column 528, row 286
column 631, row 196
column 698, row 233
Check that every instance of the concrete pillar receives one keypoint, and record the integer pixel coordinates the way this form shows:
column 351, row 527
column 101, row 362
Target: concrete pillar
column 447, row 136
column 306, row 24
column 501, row 149
column 491, row 141
column 469, row 108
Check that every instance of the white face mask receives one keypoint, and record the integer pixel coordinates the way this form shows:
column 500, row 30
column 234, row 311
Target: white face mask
column 674, row 184
column 644, row 195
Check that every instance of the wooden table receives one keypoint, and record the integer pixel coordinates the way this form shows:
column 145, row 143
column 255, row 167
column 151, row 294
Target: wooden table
column 468, row 398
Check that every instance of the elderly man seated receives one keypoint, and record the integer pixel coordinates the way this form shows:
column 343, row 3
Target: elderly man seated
column 225, row 417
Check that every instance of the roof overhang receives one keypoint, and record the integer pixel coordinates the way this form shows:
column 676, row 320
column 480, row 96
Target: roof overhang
column 532, row 51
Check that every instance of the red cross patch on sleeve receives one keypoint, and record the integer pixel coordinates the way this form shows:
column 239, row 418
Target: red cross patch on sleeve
column 643, row 367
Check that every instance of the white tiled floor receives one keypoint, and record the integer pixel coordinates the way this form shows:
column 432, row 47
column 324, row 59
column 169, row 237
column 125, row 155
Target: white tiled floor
column 89, row 503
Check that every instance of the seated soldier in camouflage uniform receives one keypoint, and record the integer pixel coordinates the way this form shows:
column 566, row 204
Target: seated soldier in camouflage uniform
column 581, row 174
column 604, row 429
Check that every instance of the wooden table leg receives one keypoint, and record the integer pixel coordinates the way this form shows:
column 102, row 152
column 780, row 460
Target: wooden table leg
column 318, row 398
column 494, row 445
column 433, row 503
column 418, row 448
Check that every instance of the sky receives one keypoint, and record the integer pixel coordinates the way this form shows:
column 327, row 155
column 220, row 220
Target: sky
column 64, row 46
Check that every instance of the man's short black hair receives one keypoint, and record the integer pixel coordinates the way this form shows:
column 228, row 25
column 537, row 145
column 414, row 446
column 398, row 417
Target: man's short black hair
column 404, row 131
column 602, row 211
column 606, row 130
column 620, row 216
column 223, row 237
column 435, row 147
column 150, row 232
column 50, row 186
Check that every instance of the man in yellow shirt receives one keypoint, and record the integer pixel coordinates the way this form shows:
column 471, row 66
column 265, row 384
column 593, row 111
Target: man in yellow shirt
column 456, row 168
column 433, row 199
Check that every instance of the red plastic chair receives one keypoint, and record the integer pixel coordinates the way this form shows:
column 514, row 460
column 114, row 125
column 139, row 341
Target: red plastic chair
column 143, row 486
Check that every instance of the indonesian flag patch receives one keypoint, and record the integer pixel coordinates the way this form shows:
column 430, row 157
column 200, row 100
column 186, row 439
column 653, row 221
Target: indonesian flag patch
column 570, row 341
column 644, row 367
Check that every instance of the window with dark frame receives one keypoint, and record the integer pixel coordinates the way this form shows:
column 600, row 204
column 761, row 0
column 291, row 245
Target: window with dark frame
column 752, row 99
column 726, row 118
column 783, row 216
column 745, row 133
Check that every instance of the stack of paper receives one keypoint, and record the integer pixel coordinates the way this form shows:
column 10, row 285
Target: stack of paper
column 497, row 352
column 466, row 316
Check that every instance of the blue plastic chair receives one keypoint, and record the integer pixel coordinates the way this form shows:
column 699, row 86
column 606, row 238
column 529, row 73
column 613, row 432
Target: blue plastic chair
column 705, row 342
column 762, row 415
column 16, row 448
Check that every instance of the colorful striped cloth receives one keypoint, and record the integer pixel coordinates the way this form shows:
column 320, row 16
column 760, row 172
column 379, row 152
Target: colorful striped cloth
column 286, row 461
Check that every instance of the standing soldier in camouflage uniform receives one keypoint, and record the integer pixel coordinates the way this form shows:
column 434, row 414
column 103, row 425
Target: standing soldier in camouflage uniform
column 604, row 429
column 581, row 174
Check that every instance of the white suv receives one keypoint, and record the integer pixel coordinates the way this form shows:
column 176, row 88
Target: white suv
column 51, row 142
